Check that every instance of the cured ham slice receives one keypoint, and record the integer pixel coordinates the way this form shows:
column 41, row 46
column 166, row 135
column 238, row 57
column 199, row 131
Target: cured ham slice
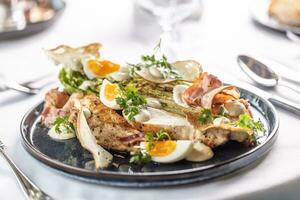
column 205, row 83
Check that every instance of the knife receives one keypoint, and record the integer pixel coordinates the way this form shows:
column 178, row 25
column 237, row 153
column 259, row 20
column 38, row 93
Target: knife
column 274, row 99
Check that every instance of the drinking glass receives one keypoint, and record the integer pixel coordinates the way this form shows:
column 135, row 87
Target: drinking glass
column 168, row 14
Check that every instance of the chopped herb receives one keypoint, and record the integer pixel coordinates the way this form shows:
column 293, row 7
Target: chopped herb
column 162, row 135
column 223, row 112
column 150, row 138
column 245, row 121
column 253, row 140
column 140, row 157
column 205, row 116
column 62, row 124
column 130, row 101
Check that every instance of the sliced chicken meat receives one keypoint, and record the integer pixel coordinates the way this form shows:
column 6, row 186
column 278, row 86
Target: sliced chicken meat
column 110, row 129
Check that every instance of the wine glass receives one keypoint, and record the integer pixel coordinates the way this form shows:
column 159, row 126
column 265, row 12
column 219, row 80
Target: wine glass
column 11, row 15
column 169, row 13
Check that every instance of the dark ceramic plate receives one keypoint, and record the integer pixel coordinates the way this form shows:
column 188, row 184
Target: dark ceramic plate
column 58, row 7
column 260, row 15
column 71, row 159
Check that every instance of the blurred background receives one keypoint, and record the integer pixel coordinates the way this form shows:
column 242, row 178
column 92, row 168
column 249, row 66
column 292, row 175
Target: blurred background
column 213, row 32
column 206, row 30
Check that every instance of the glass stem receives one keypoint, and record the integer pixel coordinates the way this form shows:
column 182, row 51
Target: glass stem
column 167, row 39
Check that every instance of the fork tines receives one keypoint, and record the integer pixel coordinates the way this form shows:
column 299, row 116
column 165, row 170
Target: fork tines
column 1, row 144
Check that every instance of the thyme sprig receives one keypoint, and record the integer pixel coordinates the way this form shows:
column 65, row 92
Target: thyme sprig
column 154, row 60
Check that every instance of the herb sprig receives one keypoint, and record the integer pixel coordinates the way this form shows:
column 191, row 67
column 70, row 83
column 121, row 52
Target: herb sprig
column 140, row 157
column 153, row 60
column 245, row 121
column 205, row 116
column 130, row 101
column 62, row 125
column 223, row 112
column 150, row 138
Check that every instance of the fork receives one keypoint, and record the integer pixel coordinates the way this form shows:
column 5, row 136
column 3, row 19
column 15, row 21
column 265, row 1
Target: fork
column 30, row 190
column 292, row 36
column 24, row 87
column 18, row 87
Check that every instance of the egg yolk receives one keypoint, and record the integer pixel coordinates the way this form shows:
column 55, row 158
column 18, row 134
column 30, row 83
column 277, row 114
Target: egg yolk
column 163, row 148
column 102, row 68
column 111, row 91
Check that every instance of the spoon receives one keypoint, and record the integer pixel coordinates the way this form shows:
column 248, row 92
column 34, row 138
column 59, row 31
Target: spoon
column 262, row 74
column 293, row 37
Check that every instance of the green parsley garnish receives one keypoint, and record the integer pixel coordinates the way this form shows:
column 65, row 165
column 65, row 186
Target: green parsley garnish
column 245, row 121
column 140, row 157
column 130, row 101
column 223, row 112
column 206, row 116
column 150, row 138
column 62, row 125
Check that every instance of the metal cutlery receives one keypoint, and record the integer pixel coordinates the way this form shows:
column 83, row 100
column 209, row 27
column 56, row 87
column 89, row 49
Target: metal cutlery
column 18, row 87
column 30, row 190
column 261, row 73
column 292, row 36
column 25, row 87
column 275, row 99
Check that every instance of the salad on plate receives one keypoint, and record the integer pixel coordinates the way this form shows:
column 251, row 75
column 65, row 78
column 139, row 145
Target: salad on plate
column 155, row 110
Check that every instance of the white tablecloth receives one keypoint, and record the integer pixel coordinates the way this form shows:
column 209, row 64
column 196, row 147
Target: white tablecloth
column 225, row 30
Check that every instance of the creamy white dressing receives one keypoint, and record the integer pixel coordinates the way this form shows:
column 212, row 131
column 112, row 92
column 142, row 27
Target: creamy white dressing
column 64, row 135
column 200, row 152
column 234, row 108
column 143, row 116
column 154, row 71
column 121, row 75
column 153, row 102
column 187, row 70
column 221, row 120
column 86, row 84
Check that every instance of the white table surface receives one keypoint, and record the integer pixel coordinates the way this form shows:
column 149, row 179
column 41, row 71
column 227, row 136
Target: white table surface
column 225, row 30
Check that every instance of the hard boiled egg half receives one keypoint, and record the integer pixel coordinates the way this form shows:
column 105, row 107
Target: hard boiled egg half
column 108, row 93
column 169, row 151
column 95, row 68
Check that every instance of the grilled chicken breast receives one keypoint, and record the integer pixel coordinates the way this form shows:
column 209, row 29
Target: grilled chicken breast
column 110, row 129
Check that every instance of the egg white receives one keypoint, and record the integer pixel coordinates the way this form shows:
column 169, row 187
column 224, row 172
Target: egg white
column 111, row 104
column 183, row 148
column 86, row 69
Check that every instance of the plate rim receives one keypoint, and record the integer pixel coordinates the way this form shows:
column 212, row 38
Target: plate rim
column 258, row 14
column 95, row 174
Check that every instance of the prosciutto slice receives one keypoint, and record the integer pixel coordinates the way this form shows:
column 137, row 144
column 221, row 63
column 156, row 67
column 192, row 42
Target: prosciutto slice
column 53, row 107
column 204, row 83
